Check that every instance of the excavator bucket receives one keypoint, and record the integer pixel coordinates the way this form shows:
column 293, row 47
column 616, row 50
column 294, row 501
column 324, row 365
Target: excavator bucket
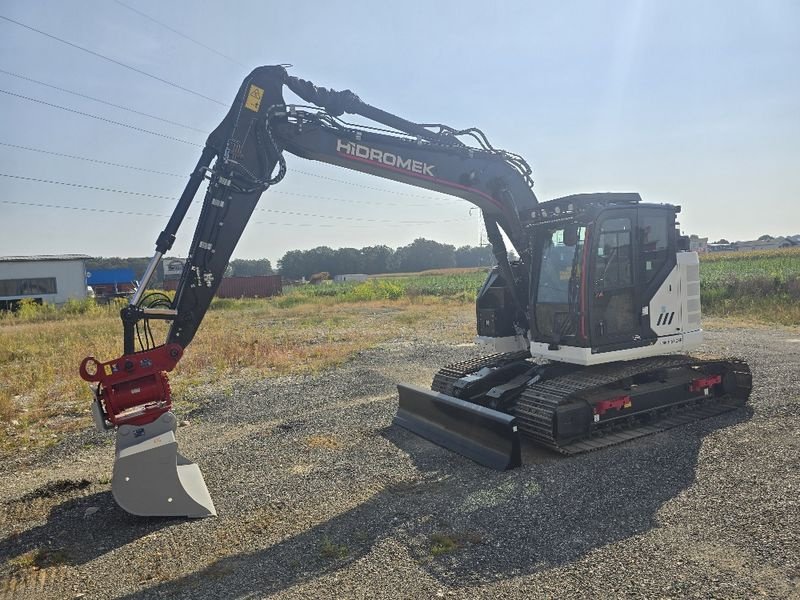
column 152, row 479
column 487, row 436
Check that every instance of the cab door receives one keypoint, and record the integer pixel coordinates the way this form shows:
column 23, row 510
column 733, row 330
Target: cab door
column 614, row 313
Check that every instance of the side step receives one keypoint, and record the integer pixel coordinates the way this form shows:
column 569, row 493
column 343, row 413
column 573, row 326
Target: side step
column 487, row 436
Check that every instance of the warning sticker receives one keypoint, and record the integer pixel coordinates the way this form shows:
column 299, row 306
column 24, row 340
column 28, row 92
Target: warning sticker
column 254, row 98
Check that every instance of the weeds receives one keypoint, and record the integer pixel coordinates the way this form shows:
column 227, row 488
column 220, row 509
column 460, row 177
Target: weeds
column 38, row 559
column 442, row 543
column 331, row 550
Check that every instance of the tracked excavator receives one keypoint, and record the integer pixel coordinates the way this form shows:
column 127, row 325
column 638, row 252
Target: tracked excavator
column 587, row 333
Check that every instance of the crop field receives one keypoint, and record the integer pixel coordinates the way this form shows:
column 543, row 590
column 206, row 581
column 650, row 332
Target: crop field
column 760, row 285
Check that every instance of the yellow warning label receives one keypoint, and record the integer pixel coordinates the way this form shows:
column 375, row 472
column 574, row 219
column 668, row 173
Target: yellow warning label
column 107, row 369
column 254, row 98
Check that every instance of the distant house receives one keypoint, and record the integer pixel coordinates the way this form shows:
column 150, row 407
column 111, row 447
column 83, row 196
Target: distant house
column 350, row 277
column 53, row 278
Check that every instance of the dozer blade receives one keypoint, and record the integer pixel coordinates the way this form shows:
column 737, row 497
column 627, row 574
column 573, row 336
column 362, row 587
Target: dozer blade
column 152, row 479
column 486, row 436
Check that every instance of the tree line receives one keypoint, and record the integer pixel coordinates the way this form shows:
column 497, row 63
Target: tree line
column 419, row 255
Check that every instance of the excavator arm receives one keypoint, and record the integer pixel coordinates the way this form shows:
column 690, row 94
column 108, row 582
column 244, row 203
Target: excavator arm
column 248, row 146
column 242, row 158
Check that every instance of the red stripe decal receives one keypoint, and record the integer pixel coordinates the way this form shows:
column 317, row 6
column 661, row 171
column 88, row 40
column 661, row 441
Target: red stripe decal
column 420, row 176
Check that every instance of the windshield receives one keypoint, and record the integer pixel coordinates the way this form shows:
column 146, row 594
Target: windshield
column 559, row 276
column 557, row 264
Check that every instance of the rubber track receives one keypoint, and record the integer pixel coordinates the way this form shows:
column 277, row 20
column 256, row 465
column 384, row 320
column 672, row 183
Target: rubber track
column 446, row 376
column 536, row 407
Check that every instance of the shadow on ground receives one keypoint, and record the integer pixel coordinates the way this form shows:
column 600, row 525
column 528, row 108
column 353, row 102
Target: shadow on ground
column 78, row 530
column 464, row 525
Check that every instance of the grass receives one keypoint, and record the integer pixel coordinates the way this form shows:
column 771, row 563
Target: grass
column 331, row 550
column 42, row 398
column 763, row 285
column 462, row 287
column 309, row 328
column 442, row 543
column 38, row 559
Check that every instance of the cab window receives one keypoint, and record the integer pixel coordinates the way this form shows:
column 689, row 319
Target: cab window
column 613, row 260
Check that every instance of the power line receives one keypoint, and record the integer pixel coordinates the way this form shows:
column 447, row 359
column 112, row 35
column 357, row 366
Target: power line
column 179, row 87
column 99, row 118
column 116, row 62
column 161, row 135
column 138, row 112
column 143, row 214
column 183, row 35
column 87, row 187
column 269, row 210
column 93, row 160
column 281, row 192
column 343, row 218
column 210, row 49
column 83, row 208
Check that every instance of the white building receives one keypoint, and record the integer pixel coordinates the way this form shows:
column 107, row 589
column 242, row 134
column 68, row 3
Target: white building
column 45, row 278
column 350, row 277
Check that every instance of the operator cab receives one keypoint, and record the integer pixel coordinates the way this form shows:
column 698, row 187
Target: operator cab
column 608, row 281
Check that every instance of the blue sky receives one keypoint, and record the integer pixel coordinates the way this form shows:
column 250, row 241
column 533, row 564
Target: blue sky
column 692, row 103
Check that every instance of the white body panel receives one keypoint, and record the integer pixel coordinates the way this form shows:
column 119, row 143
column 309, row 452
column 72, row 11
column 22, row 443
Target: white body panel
column 674, row 314
column 673, row 344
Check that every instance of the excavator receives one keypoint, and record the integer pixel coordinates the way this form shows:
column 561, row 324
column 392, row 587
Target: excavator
column 587, row 332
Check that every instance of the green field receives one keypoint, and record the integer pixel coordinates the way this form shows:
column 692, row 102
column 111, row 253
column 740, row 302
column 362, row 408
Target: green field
column 762, row 285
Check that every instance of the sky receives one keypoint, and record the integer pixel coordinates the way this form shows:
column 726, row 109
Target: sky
column 689, row 103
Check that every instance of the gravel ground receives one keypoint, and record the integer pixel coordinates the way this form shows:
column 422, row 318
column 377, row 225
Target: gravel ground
column 319, row 496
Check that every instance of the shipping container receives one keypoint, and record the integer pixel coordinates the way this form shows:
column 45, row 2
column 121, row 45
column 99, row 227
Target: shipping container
column 261, row 286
